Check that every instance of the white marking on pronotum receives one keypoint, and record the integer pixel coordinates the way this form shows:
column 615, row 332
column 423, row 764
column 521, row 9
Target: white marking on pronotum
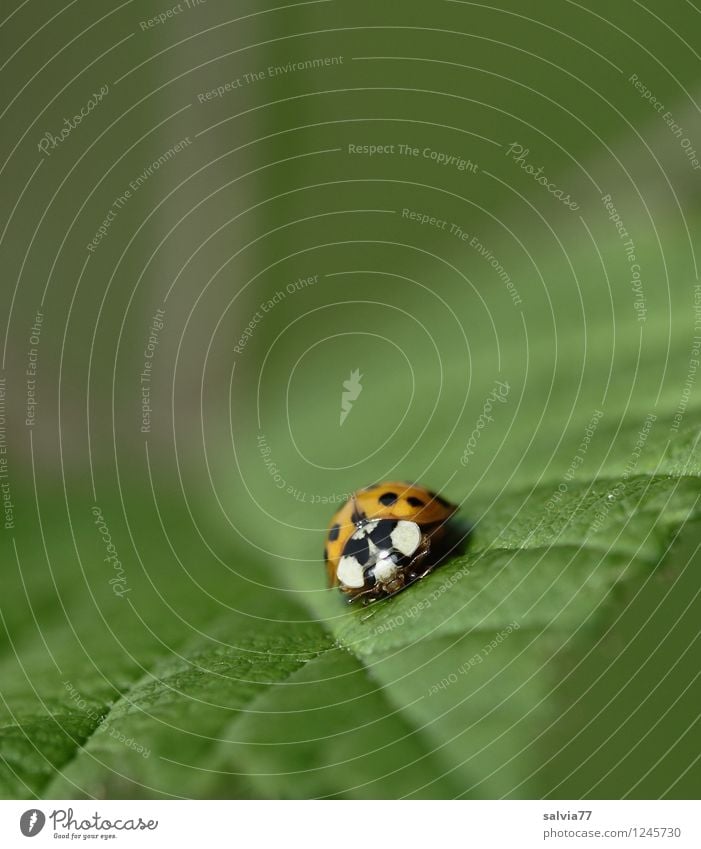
column 350, row 573
column 366, row 529
column 406, row 537
column 353, row 388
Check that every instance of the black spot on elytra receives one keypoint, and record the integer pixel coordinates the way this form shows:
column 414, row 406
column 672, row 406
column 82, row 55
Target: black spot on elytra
column 388, row 498
column 441, row 501
column 333, row 533
column 359, row 549
column 326, row 554
column 414, row 501
column 357, row 516
column 382, row 535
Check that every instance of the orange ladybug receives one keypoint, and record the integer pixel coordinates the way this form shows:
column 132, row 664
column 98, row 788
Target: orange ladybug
column 385, row 537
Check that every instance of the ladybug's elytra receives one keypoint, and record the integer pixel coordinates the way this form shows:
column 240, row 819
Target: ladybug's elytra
column 385, row 537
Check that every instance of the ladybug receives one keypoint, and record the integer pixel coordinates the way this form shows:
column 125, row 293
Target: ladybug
column 385, row 537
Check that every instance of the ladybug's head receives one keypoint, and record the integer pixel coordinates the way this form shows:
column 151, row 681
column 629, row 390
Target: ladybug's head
column 376, row 552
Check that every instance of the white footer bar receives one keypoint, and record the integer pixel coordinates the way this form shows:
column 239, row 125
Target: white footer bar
column 352, row 824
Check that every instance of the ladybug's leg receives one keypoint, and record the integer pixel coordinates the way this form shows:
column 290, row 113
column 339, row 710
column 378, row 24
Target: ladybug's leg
column 418, row 568
column 365, row 595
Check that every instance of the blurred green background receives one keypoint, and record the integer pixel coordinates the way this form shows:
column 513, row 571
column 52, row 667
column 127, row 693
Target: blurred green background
column 188, row 387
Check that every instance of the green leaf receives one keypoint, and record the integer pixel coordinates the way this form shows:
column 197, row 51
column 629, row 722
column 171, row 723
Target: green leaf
column 450, row 688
